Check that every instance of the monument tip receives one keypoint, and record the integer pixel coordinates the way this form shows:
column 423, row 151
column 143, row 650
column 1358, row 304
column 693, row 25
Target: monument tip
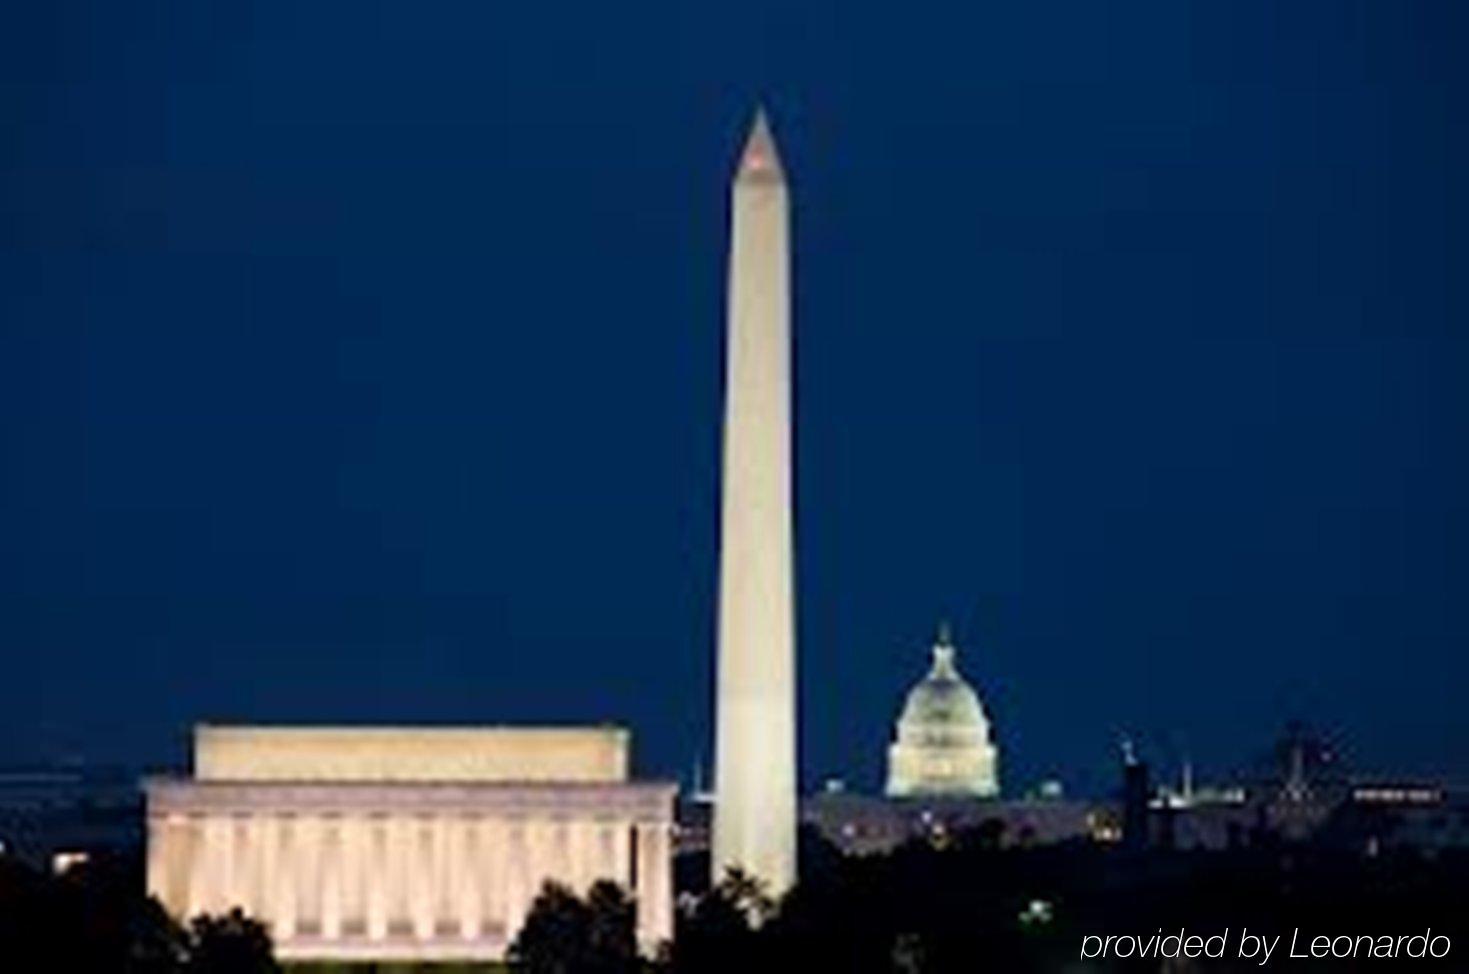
column 760, row 158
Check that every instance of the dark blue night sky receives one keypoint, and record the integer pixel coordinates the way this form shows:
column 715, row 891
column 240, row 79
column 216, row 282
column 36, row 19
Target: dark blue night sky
column 361, row 362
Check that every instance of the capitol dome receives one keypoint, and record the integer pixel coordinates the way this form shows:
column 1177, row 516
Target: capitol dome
column 943, row 745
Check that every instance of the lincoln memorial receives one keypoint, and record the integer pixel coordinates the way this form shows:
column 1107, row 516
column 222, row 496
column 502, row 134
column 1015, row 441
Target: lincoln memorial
column 389, row 843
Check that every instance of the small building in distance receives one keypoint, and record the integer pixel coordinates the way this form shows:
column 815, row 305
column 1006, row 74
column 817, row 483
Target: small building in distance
column 404, row 844
column 56, row 815
column 1384, row 815
column 858, row 824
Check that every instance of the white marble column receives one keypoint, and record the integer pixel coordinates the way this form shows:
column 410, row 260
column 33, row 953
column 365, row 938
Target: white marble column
column 177, row 865
column 219, row 849
column 378, row 876
column 309, row 861
column 518, row 877
column 352, row 848
column 240, row 874
column 558, row 864
column 537, row 856
column 256, row 889
column 400, row 858
column 655, row 885
column 192, row 849
column 306, row 869
column 581, row 870
column 201, row 867
column 236, row 890
column 159, row 848
column 622, row 854
column 421, row 869
column 494, row 874
column 329, row 876
column 209, row 854
column 267, row 840
column 604, row 852
column 444, row 872
column 466, row 883
column 191, row 835
column 285, row 879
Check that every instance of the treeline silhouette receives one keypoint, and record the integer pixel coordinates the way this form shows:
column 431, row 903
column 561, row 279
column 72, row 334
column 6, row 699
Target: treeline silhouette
column 967, row 904
column 95, row 919
column 972, row 904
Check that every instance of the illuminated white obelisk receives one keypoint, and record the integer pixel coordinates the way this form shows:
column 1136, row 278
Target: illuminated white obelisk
column 755, row 742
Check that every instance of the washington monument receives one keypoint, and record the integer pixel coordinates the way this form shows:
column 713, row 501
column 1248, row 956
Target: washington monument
column 755, row 740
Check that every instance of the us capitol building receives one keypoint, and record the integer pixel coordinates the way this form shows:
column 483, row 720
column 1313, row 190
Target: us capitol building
column 943, row 745
column 943, row 777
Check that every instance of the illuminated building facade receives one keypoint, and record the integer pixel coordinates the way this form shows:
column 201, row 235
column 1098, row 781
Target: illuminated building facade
column 943, row 746
column 405, row 844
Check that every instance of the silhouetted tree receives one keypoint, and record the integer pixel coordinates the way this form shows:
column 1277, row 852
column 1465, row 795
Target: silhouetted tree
column 988, row 834
column 564, row 934
column 229, row 944
column 718, row 935
column 555, row 934
column 613, row 939
column 816, row 855
column 155, row 945
column 94, row 917
column 975, row 906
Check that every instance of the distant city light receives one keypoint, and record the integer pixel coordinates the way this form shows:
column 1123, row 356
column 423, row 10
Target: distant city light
column 1397, row 796
column 1037, row 912
column 64, row 862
